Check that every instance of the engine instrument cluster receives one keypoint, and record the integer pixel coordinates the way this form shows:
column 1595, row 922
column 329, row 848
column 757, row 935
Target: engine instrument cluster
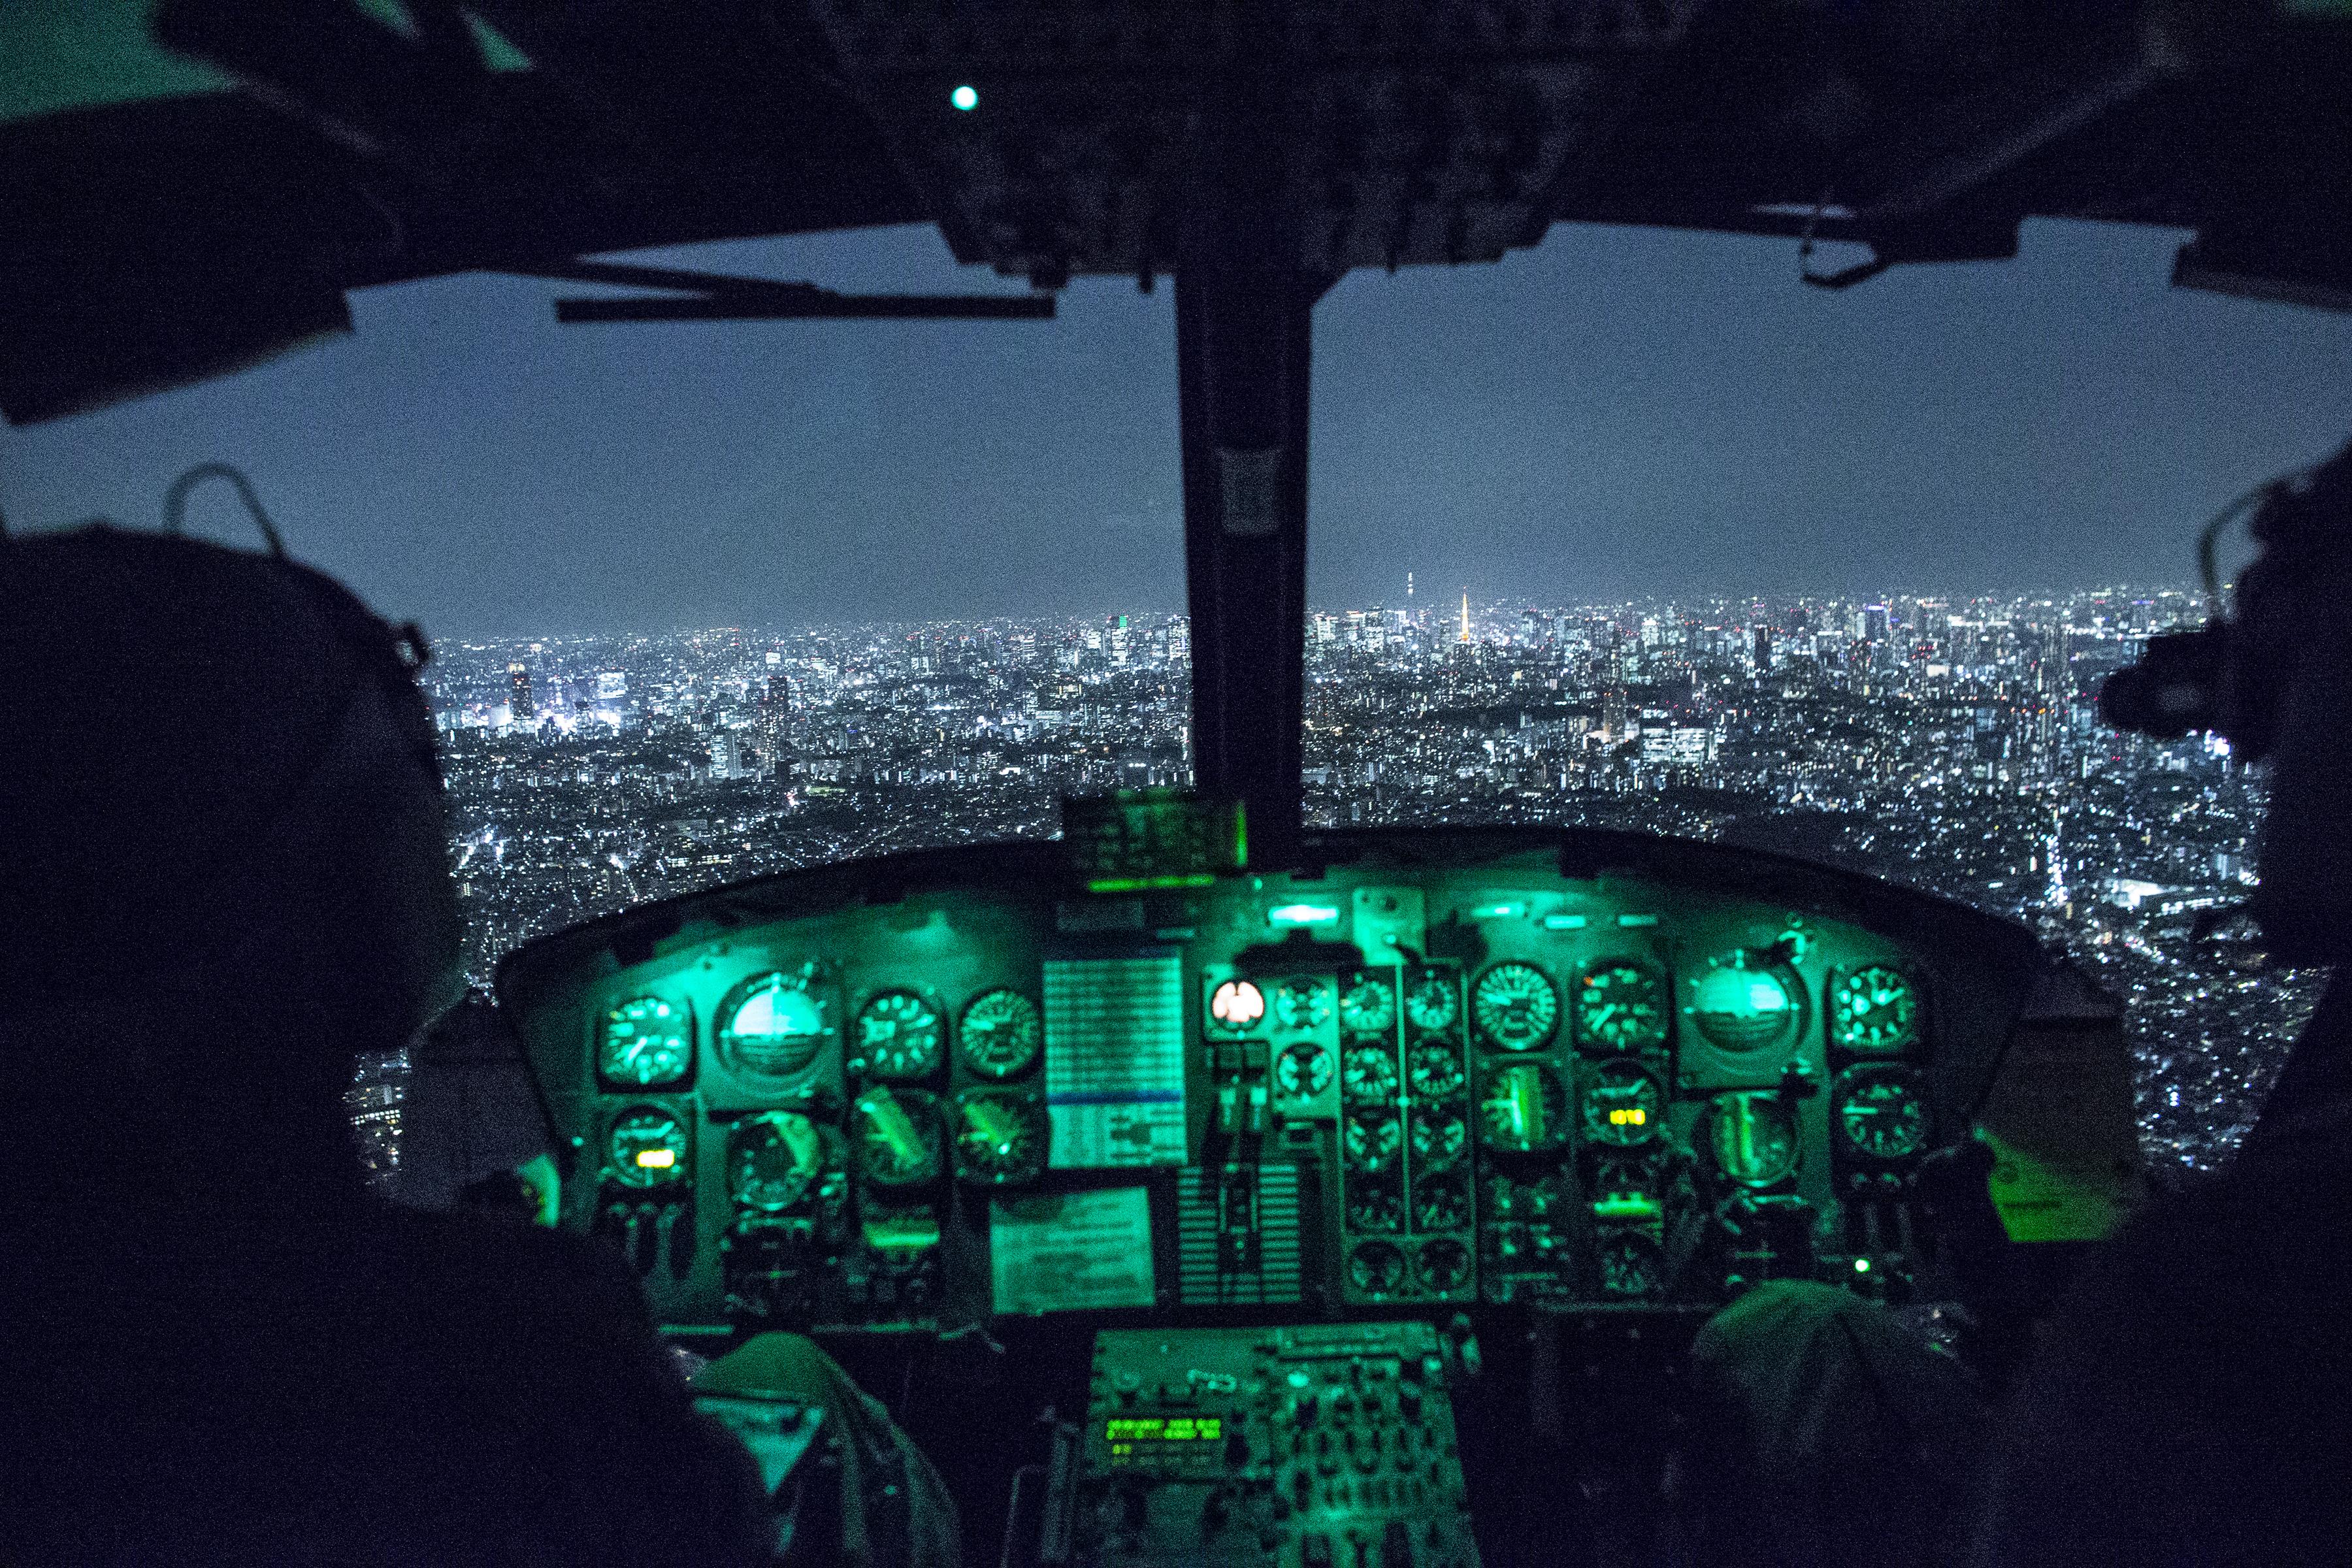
column 1434, row 1070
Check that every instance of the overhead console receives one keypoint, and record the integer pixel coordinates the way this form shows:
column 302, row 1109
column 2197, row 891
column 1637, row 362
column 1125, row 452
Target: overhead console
column 1431, row 1069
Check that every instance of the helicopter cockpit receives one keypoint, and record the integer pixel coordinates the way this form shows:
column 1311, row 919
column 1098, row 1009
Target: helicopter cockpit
column 1203, row 1186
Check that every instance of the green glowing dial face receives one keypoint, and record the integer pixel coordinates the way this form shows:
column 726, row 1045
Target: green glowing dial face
column 1523, row 1110
column 1373, row 1205
column 1434, row 1070
column 1369, row 1007
column 647, row 1147
column 1753, row 1137
column 1438, row 1137
column 1631, row 1265
column 999, row 1138
column 1442, row 1266
column 900, row 1036
column 896, row 1132
column 1002, row 1033
column 1744, row 1004
column 1881, row 1110
column 1376, row 1267
column 1302, row 1003
column 1621, row 1005
column 1302, row 1072
column 1515, row 1006
column 1624, row 1105
column 647, row 1042
column 1368, row 1073
column 1370, row 1141
column 774, row 1027
column 773, row 1159
column 1432, row 1004
column 1873, row 1009
column 1440, row 1205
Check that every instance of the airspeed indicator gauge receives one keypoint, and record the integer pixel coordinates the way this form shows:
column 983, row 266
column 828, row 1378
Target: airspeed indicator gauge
column 1515, row 1005
column 1621, row 1005
column 647, row 1042
column 1001, row 1033
column 899, row 1036
column 1873, row 1008
column 1880, row 1109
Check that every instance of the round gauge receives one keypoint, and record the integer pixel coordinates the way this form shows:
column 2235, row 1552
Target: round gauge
column 1753, row 1137
column 1370, row 1139
column 1524, row 1108
column 774, row 1025
column 647, row 1147
column 1368, row 1073
column 1434, row 1070
column 1742, row 1004
column 1624, row 1104
column 1873, row 1009
column 1881, row 1110
column 999, row 1138
column 1302, row 1003
column 1438, row 1139
column 1515, row 1005
column 773, row 1159
column 901, row 1035
column 1621, row 1005
column 1442, row 1266
column 1376, row 1267
column 1433, row 1003
column 1302, row 1072
column 1374, row 1205
column 1238, row 1006
column 1440, row 1205
column 896, row 1132
column 1001, row 1033
column 1630, row 1264
column 647, row 1042
column 1369, row 1007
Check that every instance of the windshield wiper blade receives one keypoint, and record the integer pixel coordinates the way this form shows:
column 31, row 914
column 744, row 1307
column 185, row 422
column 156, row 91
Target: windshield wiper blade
column 715, row 297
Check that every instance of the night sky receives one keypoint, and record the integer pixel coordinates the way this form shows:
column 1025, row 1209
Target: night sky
column 1614, row 414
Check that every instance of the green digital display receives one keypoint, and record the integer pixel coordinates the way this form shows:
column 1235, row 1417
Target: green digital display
column 1163, row 1429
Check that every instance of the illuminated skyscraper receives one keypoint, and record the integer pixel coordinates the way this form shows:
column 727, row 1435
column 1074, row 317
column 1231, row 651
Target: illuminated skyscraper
column 1466, row 615
column 775, row 729
column 520, row 703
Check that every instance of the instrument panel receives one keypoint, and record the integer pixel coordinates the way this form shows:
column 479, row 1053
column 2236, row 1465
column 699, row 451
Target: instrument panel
column 1433, row 1068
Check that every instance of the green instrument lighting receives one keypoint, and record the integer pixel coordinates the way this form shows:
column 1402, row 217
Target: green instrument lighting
column 1862, row 1265
column 966, row 98
column 1630, row 921
column 1765, row 996
column 1302, row 915
column 1144, row 884
column 1565, row 922
column 1502, row 911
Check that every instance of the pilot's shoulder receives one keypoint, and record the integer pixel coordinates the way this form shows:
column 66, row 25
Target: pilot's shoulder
column 527, row 1278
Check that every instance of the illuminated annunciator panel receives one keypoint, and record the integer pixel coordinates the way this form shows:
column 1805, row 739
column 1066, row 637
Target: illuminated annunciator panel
column 1316, row 1446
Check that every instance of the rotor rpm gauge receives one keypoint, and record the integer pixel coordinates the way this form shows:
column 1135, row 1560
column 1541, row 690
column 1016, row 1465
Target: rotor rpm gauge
column 1376, row 1267
column 900, row 1036
column 1302, row 1072
column 1753, row 1137
column 1433, row 1003
column 1624, row 1105
column 773, row 1025
column 1744, row 1002
column 896, row 1132
column 1442, row 1266
column 773, row 1159
column 1001, row 1033
column 1880, row 1109
column 1370, row 1141
column 1873, row 1008
column 1369, row 1007
column 1515, row 1005
column 647, row 1042
column 1368, row 1073
column 1434, row 1070
column 1621, row 1005
column 1302, row 1003
column 999, row 1138
column 646, row 1147
column 1523, row 1110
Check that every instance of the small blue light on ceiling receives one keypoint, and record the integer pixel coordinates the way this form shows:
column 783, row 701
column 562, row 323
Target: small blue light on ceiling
column 966, row 98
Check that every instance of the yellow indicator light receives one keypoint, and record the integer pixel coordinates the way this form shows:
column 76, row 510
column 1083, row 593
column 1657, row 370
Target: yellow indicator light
column 1628, row 1116
column 656, row 1159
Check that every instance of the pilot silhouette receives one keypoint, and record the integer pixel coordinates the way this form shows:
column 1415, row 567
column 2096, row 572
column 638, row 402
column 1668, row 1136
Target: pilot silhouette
column 227, row 876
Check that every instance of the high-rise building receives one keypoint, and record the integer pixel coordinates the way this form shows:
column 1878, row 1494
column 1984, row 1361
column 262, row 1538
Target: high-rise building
column 520, row 704
column 1466, row 615
column 1763, row 650
column 775, row 729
